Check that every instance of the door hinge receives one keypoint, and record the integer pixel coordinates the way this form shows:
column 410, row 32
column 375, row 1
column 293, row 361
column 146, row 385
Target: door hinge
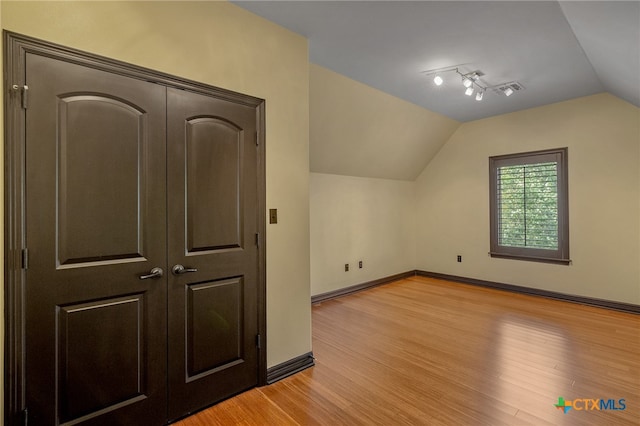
column 24, row 90
column 258, row 342
column 25, row 258
column 257, row 139
column 257, row 239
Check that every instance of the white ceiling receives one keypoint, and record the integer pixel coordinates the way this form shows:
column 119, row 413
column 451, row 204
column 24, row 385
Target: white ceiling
column 556, row 50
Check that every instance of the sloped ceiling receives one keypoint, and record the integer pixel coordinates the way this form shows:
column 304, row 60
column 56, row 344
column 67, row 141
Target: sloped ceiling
column 556, row 50
column 609, row 34
column 359, row 131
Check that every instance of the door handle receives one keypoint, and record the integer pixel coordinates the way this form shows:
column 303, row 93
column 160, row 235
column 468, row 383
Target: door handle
column 179, row 270
column 154, row 273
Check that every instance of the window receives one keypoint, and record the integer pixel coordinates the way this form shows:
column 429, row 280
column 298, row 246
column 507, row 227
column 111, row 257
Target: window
column 529, row 206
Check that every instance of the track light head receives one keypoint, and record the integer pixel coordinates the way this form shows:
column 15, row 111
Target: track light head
column 438, row 80
column 508, row 91
column 469, row 91
column 479, row 95
column 469, row 79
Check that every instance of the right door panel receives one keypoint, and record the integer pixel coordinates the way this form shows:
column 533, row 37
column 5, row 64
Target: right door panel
column 212, row 186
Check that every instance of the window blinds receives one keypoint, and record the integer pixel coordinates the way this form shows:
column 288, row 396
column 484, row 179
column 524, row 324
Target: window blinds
column 528, row 205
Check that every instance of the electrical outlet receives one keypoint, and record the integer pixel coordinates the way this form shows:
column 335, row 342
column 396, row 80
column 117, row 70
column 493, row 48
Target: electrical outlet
column 273, row 215
column 360, row 264
column 459, row 259
column 346, row 267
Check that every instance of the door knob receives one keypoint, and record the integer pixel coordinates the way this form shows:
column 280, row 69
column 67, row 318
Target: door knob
column 154, row 273
column 179, row 269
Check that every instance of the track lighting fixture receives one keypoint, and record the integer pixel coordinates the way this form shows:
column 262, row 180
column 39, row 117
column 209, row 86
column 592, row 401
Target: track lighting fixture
column 472, row 82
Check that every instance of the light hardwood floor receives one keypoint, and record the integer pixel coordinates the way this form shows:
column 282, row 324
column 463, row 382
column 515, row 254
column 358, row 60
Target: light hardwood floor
column 422, row 351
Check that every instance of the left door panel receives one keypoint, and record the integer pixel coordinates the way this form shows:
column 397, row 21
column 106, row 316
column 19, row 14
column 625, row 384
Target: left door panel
column 95, row 219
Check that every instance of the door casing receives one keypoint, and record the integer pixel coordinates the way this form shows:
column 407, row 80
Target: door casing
column 16, row 253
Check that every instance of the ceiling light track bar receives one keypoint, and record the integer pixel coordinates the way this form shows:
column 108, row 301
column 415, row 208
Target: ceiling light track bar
column 471, row 82
column 442, row 70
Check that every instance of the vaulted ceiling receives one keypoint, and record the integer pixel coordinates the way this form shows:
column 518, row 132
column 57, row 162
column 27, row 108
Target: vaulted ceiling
column 555, row 50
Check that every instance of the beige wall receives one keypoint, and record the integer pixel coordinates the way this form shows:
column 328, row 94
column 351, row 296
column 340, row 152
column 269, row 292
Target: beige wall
column 449, row 214
column 602, row 133
column 219, row 44
column 355, row 219
column 356, row 130
column 445, row 211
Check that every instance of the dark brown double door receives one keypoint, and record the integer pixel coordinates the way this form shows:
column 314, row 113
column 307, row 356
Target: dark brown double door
column 141, row 223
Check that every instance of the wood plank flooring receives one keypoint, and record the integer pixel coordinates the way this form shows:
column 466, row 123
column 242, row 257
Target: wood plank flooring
column 422, row 351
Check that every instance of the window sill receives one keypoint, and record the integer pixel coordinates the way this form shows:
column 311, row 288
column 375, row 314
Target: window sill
column 531, row 258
